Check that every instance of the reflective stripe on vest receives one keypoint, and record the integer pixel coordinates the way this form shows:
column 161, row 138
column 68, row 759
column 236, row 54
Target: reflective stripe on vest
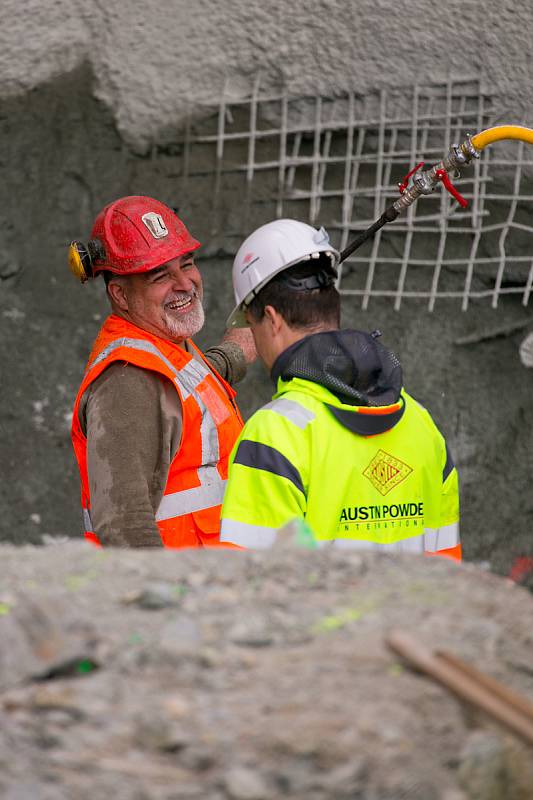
column 87, row 521
column 211, row 490
column 261, row 537
column 209, row 494
column 177, row 504
column 187, row 378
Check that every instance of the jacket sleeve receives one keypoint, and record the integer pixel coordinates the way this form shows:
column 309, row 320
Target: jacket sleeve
column 228, row 360
column 445, row 539
column 450, row 491
column 133, row 422
column 441, row 536
column 267, row 483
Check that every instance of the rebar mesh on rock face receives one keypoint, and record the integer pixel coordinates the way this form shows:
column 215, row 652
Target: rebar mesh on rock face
column 356, row 368
column 337, row 161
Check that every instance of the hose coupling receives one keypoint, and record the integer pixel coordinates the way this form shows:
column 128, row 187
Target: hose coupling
column 458, row 156
column 425, row 183
column 408, row 198
column 468, row 150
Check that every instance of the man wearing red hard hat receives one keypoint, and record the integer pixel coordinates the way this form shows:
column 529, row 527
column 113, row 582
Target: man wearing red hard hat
column 154, row 420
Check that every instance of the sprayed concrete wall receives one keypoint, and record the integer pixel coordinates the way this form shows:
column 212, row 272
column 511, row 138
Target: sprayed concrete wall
column 88, row 89
column 151, row 61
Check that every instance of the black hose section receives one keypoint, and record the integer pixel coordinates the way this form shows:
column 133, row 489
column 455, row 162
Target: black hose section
column 389, row 215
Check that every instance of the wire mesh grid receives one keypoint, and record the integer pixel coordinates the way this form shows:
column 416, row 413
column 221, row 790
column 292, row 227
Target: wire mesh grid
column 337, row 161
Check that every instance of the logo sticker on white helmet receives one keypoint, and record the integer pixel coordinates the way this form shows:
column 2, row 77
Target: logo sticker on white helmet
column 155, row 224
column 320, row 236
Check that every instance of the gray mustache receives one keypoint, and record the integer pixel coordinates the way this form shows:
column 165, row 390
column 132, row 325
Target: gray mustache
column 179, row 296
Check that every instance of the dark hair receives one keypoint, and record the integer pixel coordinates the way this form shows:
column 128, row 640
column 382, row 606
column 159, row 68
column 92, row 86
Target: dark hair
column 307, row 308
column 108, row 276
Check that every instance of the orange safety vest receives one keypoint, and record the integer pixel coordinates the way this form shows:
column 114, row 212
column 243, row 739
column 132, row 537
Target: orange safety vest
column 189, row 513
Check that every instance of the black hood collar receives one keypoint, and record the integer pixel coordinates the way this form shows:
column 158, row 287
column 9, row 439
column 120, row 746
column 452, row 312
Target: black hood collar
column 351, row 364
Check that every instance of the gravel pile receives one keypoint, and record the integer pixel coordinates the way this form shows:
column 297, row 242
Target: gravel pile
column 251, row 676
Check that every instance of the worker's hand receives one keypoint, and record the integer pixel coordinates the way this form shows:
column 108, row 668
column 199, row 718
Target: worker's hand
column 244, row 339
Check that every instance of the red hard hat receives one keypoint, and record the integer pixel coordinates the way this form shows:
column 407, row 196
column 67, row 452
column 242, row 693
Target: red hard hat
column 138, row 234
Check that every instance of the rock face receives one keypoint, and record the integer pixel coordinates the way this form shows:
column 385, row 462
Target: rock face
column 247, row 676
column 151, row 66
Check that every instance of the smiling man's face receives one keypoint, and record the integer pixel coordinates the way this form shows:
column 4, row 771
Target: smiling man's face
column 166, row 301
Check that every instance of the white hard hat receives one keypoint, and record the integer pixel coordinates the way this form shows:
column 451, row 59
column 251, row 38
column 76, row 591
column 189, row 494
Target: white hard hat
column 271, row 249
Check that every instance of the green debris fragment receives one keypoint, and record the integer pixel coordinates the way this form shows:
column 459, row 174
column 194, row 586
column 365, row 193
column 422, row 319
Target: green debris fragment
column 427, row 595
column 334, row 622
column 395, row 669
column 75, row 582
column 69, row 668
column 296, row 533
column 85, row 665
column 304, row 535
column 135, row 638
column 5, row 608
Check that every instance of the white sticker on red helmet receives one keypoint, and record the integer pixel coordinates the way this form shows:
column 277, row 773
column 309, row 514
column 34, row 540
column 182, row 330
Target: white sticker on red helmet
column 155, row 224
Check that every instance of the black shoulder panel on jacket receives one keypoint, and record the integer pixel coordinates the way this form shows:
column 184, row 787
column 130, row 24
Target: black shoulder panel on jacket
column 367, row 424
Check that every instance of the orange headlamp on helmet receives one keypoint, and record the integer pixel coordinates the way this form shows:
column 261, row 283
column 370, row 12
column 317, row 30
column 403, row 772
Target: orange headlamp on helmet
column 131, row 235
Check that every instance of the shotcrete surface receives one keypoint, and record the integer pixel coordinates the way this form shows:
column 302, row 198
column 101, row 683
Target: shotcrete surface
column 152, row 64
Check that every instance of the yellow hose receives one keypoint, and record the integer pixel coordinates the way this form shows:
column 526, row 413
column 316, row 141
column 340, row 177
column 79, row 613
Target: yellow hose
column 481, row 140
column 457, row 157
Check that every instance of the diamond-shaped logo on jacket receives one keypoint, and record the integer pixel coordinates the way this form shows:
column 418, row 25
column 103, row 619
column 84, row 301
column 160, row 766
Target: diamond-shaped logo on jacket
column 385, row 472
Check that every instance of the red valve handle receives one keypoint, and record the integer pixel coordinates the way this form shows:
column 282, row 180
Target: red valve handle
column 403, row 185
column 442, row 175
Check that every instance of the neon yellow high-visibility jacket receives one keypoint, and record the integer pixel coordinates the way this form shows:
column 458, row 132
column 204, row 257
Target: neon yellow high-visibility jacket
column 361, row 475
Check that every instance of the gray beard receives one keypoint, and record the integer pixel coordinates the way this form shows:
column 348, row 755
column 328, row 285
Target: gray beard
column 189, row 324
